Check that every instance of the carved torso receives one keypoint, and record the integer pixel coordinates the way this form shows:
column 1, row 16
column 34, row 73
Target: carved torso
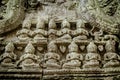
column 92, row 60
column 52, row 57
column 111, row 60
column 52, row 60
column 28, row 59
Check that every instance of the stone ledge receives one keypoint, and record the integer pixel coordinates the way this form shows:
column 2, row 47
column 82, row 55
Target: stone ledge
column 16, row 74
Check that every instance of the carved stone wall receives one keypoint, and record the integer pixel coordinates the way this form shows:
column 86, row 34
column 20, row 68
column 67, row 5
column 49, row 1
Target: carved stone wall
column 59, row 40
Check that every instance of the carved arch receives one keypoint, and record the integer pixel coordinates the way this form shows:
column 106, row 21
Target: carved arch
column 13, row 16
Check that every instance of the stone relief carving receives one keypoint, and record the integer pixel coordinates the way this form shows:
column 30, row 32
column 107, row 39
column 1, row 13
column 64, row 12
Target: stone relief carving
column 106, row 14
column 52, row 59
column 64, row 33
column 14, row 9
column 67, row 41
column 109, row 6
column 29, row 60
column 56, row 38
column 8, row 58
column 32, row 3
column 80, row 33
column 92, row 57
column 25, row 33
column 111, row 58
column 3, row 8
column 98, row 36
column 40, row 33
column 73, row 58
column 52, row 33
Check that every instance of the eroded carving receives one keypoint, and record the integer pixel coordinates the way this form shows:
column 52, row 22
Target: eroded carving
column 98, row 35
column 111, row 58
column 8, row 58
column 3, row 6
column 52, row 30
column 109, row 6
column 73, row 58
column 64, row 35
column 52, row 59
column 80, row 33
column 33, row 3
column 65, row 31
column 29, row 60
column 92, row 58
column 25, row 33
column 40, row 33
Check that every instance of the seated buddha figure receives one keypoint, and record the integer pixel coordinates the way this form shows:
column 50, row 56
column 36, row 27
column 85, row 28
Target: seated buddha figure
column 111, row 58
column 52, row 58
column 92, row 58
column 65, row 31
column 40, row 33
column 25, row 33
column 29, row 59
column 73, row 59
column 8, row 58
column 52, row 30
column 80, row 33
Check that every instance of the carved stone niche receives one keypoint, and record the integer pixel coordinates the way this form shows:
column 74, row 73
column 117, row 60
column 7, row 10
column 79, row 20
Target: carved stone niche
column 8, row 58
column 29, row 60
column 53, row 41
